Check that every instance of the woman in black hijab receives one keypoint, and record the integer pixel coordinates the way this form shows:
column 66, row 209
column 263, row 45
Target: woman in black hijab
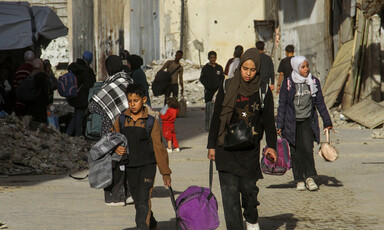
column 135, row 62
column 239, row 169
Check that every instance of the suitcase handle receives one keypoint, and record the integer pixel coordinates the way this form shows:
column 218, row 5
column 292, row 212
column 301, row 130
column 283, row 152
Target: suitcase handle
column 172, row 195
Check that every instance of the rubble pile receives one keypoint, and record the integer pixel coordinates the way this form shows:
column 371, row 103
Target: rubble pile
column 339, row 120
column 193, row 89
column 44, row 151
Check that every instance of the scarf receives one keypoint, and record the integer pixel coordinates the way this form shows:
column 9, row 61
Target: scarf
column 235, row 86
column 296, row 63
column 112, row 97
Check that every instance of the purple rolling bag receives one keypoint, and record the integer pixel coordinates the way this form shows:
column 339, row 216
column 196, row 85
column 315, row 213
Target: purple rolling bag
column 196, row 207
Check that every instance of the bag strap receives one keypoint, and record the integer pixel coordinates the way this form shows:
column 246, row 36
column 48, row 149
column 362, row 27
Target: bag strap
column 78, row 178
column 262, row 95
column 149, row 126
column 210, row 174
column 173, row 201
column 122, row 119
column 175, row 70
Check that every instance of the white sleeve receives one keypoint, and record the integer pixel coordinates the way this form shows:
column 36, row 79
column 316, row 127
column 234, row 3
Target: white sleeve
column 231, row 71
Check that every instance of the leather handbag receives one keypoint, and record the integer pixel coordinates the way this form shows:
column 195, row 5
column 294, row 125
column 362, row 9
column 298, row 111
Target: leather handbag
column 327, row 151
column 238, row 136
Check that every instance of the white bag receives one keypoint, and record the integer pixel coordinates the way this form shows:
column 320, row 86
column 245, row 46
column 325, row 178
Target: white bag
column 327, row 151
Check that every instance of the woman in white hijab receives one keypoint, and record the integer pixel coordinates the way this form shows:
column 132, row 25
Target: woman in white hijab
column 299, row 100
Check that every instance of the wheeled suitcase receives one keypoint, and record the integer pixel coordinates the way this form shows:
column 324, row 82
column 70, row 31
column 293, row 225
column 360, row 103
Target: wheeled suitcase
column 196, row 207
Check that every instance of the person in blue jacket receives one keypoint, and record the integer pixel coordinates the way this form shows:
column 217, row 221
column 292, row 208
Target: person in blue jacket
column 299, row 101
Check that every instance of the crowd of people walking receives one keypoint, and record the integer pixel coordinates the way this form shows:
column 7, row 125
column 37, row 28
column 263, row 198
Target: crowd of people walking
column 232, row 101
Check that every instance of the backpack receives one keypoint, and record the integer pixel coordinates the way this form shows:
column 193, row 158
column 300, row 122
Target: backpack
column 92, row 122
column 26, row 89
column 161, row 82
column 67, row 85
column 283, row 162
column 196, row 207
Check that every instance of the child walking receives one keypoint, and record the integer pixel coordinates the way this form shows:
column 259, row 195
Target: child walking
column 297, row 120
column 145, row 150
column 168, row 125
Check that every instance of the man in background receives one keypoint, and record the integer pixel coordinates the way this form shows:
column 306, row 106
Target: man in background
column 211, row 77
column 267, row 71
column 235, row 62
column 285, row 68
column 174, row 67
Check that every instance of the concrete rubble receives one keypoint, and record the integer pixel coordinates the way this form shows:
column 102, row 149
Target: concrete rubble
column 378, row 134
column 44, row 151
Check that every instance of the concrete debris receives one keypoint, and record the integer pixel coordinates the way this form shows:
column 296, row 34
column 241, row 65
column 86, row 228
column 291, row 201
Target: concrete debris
column 3, row 225
column 44, row 151
column 193, row 89
column 378, row 134
column 339, row 120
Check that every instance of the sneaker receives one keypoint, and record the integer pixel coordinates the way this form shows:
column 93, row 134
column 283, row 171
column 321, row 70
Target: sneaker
column 176, row 150
column 253, row 226
column 129, row 200
column 169, row 150
column 311, row 185
column 300, row 186
column 115, row 204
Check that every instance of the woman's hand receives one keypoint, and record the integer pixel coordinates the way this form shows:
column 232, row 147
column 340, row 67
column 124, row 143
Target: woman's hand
column 211, row 154
column 278, row 131
column 327, row 129
column 121, row 150
column 271, row 155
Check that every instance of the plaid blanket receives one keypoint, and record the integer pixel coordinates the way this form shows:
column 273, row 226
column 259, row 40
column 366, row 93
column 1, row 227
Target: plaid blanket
column 111, row 97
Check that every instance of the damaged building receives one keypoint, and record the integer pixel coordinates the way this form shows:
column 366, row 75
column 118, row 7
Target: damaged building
column 342, row 39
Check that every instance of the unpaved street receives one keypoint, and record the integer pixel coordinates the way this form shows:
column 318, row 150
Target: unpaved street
column 351, row 194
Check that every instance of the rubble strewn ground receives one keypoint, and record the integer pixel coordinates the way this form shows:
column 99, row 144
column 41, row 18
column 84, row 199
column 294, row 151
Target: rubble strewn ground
column 44, row 151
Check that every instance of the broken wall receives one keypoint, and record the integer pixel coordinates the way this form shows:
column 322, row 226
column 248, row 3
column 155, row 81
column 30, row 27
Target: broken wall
column 304, row 23
column 209, row 25
column 109, row 32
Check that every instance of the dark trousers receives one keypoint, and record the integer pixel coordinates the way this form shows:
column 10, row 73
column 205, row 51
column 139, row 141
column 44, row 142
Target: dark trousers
column 171, row 88
column 76, row 123
column 140, row 180
column 303, row 163
column 209, row 106
column 231, row 187
column 118, row 191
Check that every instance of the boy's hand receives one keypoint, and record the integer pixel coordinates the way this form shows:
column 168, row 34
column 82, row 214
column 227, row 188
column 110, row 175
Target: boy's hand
column 167, row 181
column 121, row 150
